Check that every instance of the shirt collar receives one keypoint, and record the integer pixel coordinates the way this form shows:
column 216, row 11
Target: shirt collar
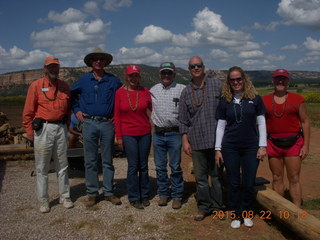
column 173, row 84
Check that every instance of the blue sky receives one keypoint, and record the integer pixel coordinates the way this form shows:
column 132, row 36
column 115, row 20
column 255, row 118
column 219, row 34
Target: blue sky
column 253, row 34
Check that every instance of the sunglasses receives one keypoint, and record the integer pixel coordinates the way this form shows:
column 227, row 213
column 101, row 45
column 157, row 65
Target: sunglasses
column 98, row 59
column 166, row 73
column 235, row 79
column 199, row 65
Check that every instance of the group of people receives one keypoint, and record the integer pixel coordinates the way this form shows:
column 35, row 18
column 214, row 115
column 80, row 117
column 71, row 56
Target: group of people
column 218, row 124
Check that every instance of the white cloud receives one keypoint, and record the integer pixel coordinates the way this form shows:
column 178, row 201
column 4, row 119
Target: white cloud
column 275, row 57
column 217, row 53
column 67, row 16
column 174, row 51
column 290, row 47
column 301, row 12
column 272, row 26
column 92, row 8
column 250, row 54
column 113, row 5
column 308, row 60
column 153, row 34
column 71, row 36
column 312, row 44
column 16, row 59
column 208, row 30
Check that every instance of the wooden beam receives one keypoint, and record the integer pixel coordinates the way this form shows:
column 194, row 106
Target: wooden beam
column 299, row 221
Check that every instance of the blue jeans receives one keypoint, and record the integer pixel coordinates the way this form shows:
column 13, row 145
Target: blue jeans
column 209, row 198
column 169, row 142
column 137, row 150
column 240, row 189
column 97, row 133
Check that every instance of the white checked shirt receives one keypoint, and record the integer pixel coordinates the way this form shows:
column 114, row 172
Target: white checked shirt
column 165, row 104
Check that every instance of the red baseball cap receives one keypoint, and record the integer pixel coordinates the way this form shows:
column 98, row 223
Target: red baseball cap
column 280, row 72
column 51, row 60
column 132, row 69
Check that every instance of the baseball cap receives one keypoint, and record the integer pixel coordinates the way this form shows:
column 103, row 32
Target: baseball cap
column 51, row 60
column 132, row 69
column 167, row 66
column 281, row 72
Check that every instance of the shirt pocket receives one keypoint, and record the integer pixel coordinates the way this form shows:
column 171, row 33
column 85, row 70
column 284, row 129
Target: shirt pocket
column 63, row 100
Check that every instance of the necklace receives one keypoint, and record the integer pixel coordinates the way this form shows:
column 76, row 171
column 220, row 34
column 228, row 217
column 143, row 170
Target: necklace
column 194, row 100
column 54, row 95
column 130, row 103
column 283, row 107
column 235, row 112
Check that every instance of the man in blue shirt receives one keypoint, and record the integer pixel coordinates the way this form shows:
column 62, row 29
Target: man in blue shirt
column 93, row 103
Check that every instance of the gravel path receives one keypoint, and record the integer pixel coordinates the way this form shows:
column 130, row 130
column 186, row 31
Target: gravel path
column 21, row 219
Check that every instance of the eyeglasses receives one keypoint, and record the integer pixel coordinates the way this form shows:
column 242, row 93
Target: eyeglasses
column 236, row 79
column 199, row 65
column 98, row 59
column 169, row 73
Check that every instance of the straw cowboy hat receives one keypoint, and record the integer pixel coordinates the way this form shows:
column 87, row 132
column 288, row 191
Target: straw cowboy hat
column 97, row 52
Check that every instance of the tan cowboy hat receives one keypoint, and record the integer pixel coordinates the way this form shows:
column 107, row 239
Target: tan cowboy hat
column 95, row 53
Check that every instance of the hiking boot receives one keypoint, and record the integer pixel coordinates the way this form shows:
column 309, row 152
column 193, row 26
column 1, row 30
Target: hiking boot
column 176, row 204
column 44, row 207
column 91, row 201
column 113, row 199
column 163, row 201
column 248, row 222
column 137, row 204
column 145, row 202
column 66, row 203
column 235, row 224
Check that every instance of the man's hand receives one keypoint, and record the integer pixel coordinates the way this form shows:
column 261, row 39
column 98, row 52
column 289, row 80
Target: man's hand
column 30, row 137
column 79, row 116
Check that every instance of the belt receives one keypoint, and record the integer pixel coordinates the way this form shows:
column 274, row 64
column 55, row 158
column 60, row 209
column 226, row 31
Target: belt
column 97, row 118
column 63, row 120
column 165, row 129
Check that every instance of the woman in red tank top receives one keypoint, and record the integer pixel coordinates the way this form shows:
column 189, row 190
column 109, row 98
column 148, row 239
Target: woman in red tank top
column 287, row 146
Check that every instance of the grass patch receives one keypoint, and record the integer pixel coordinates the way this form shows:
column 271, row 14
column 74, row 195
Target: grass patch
column 12, row 100
column 313, row 204
column 314, row 113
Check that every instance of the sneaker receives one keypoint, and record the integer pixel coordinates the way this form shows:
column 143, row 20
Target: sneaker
column 145, row 202
column 200, row 216
column 137, row 204
column 235, row 224
column 176, row 204
column 113, row 199
column 91, row 201
column 248, row 222
column 67, row 203
column 163, row 201
column 44, row 207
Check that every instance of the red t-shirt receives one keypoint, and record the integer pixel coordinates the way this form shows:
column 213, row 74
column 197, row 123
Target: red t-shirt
column 127, row 121
column 289, row 122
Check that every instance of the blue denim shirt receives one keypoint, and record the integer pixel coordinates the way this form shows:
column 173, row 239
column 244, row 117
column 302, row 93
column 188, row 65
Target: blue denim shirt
column 93, row 97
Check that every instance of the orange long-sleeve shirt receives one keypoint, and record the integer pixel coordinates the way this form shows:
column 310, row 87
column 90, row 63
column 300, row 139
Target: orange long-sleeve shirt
column 38, row 105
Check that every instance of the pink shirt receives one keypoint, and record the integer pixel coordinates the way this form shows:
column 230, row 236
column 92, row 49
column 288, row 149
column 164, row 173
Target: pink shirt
column 127, row 121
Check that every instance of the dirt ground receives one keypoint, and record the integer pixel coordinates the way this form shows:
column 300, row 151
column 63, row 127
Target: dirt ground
column 310, row 182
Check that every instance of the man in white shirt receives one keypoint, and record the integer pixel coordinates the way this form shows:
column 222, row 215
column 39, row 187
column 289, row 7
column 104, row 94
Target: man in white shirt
column 166, row 137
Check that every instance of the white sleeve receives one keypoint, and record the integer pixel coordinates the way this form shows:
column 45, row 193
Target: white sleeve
column 219, row 133
column 261, row 121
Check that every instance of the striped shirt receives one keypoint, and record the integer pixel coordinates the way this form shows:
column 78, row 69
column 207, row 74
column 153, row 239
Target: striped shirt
column 165, row 104
column 199, row 121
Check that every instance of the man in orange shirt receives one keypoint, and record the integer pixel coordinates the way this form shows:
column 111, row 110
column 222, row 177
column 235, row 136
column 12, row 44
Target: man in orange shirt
column 46, row 113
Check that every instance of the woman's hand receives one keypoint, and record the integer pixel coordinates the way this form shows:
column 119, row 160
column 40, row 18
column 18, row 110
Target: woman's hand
column 262, row 152
column 218, row 158
column 120, row 144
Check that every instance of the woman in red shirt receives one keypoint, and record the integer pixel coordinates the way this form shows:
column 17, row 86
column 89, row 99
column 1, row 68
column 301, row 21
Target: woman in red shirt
column 133, row 134
column 287, row 146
